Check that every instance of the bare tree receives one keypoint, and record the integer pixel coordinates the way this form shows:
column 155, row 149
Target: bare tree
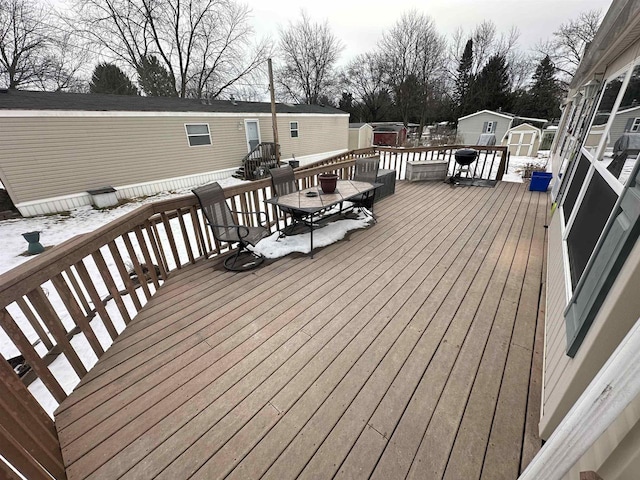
column 308, row 52
column 414, row 58
column 487, row 43
column 364, row 78
column 568, row 44
column 66, row 63
column 204, row 44
column 24, row 43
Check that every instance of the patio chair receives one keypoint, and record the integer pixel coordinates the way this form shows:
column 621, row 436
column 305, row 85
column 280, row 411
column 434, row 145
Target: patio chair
column 366, row 170
column 225, row 229
column 284, row 182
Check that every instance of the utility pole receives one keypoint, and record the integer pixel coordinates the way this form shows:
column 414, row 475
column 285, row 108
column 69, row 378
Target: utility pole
column 274, row 121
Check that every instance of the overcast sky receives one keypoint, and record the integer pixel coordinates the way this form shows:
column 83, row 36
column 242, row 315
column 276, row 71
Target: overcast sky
column 359, row 24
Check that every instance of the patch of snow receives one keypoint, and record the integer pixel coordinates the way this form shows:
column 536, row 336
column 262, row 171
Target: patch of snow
column 275, row 247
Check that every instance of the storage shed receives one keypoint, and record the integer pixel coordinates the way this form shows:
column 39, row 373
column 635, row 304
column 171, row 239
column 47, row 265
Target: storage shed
column 57, row 146
column 360, row 135
column 523, row 140
column 389, row 135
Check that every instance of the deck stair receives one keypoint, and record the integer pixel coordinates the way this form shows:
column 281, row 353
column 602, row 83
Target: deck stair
column 256, row 163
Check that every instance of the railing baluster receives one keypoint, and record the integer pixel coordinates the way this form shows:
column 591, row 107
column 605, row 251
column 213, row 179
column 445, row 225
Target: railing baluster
column 172, row 242
column 29, row 353
column 142, row 280
column 195, row 222
column 185, row 236
column 34, row 322
column 152, row 229
column 76, row 288
column 151, row 267
column 111, row 285
column 49, row 316
column 95, row 298
column 76, row 313
column 122, row 269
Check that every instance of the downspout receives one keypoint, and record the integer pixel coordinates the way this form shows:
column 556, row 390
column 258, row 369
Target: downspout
column 608, row 394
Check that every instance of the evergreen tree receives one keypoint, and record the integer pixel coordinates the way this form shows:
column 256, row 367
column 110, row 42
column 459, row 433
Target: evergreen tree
column 545, row 94
column 490, row 89
column 108, row 78
column 154, row 79
column 463, row 80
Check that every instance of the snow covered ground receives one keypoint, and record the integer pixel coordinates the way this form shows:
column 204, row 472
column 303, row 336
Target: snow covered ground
column 57, row 228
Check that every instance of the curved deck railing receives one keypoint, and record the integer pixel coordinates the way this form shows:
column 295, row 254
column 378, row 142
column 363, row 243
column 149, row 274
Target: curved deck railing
column 86, row 290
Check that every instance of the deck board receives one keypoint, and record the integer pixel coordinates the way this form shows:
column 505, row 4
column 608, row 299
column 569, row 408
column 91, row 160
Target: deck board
column 402, row 351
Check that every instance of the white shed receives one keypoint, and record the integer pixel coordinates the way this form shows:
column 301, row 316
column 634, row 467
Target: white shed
column 523, row 140
column 360, row 135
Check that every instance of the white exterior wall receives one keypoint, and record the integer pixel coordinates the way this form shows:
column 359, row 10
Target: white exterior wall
column 616, row 454
column 51, row 158
column 470, row 128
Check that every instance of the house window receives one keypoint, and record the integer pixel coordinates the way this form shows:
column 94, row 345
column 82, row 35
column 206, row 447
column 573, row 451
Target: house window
column 599, row 203
column 293, row 126
column 489, row 127
column 198, row 134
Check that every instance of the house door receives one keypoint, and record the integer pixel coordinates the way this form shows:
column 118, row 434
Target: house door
column 253, row 133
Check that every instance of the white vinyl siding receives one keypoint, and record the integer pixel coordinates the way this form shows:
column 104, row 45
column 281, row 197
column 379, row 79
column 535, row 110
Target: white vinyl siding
column 470, row 128
column 53, row 156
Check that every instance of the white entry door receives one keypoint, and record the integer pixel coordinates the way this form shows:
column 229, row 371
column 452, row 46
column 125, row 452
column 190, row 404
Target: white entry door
column 253, row 133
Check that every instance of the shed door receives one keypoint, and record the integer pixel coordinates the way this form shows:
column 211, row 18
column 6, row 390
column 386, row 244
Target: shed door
column 253, row 133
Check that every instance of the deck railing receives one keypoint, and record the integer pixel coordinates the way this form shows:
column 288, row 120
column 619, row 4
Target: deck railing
column 62, row 310
column 491, row 164
column 84, row 292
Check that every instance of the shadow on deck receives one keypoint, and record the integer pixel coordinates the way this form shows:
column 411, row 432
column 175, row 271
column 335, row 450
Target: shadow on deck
column 404, row 352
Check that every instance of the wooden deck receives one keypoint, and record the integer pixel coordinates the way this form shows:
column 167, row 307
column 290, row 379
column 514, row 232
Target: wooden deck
column 405, row 351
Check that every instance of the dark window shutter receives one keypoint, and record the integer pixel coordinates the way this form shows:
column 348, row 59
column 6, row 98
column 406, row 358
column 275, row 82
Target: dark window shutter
column 621, row 234
column 495, row 127
column 627, row 127
column 484, row 127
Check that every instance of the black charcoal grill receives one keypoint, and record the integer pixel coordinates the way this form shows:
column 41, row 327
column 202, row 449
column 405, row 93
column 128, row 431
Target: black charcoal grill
column 464, row 158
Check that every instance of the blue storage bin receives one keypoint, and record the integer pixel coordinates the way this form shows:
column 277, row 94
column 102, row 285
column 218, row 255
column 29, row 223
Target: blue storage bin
column 540, row 181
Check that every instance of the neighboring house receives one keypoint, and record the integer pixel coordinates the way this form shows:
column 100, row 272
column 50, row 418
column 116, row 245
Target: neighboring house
column 360, row 135
column 472, row 126
column 523, row 140
column 57, row 146
column 593, row 275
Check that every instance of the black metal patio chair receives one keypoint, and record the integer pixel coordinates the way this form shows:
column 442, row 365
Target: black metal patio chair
column 225, row 228
column 366, row 170
column 283, row 181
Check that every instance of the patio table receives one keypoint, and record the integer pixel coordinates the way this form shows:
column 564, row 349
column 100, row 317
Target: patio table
column 313, row 200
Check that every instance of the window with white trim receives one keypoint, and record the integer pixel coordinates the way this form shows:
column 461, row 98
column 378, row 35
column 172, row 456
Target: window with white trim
column 293, row 128
column 595, row 220
column 490, row 127
column 198, row 134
